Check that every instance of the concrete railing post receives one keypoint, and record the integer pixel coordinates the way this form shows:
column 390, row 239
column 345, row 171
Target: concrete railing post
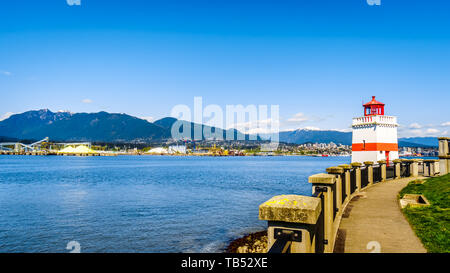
column 325, row 183
column 444, row 157
column 292, row 213
column 443, row 170
column 348, row 189
column 398, row 168
column 420, row 166
column 436, row 167
column 383, row 169
column 357, row 167
column 413, row 167
column 428, row 167
column 337, row 171
column 446, row 164
column 443, row 146
column 369, row 166
column 433, row 167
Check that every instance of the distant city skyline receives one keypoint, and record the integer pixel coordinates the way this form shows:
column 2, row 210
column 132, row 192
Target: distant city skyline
column 318, row 60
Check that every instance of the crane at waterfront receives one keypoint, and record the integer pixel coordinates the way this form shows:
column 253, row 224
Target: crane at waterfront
column 18, row 147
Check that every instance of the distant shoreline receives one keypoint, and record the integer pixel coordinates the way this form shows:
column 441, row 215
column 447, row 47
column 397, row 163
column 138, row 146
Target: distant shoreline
column 183, row 155
column 180, row 155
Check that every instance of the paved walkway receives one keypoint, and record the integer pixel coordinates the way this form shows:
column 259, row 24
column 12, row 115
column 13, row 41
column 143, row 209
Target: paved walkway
column 373, row 221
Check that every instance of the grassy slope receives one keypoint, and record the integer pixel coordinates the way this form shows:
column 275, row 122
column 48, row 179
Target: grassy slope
column 432, row 223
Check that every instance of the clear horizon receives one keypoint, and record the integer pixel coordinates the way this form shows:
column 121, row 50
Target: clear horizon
column 318, row 61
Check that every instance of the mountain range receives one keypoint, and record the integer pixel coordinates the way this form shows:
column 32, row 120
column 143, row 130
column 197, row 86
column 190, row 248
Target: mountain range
column 123, row 128
column 65, row 126
column 94, row 127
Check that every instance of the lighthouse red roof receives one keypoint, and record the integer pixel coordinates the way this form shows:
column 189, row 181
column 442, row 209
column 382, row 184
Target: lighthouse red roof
column 373, row 107
column 373, row 102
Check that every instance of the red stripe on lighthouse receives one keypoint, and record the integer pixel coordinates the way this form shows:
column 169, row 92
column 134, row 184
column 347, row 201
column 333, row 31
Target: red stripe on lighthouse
column 357, row 147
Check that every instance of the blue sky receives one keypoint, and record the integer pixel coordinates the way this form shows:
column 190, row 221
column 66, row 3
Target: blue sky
column 318, row 60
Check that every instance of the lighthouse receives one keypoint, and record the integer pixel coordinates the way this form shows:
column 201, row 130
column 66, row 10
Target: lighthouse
column 374, row 135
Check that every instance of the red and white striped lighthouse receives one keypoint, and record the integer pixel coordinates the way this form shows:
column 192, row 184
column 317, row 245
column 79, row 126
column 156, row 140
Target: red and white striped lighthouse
column 374, row 134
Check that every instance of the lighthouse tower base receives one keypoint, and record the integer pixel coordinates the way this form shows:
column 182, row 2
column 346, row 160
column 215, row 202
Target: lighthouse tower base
column 374, row 156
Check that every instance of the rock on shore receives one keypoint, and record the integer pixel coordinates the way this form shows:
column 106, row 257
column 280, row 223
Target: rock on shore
column 251, row 243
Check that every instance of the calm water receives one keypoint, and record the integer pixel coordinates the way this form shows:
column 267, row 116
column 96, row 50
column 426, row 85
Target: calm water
column 141, row 204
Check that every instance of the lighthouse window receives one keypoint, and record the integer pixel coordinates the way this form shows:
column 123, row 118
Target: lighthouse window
column 381, row 152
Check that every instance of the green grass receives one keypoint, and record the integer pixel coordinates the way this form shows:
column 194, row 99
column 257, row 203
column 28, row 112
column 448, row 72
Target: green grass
column 431, row 223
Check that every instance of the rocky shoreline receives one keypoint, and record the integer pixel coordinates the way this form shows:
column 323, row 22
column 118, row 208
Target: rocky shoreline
column 251, row 243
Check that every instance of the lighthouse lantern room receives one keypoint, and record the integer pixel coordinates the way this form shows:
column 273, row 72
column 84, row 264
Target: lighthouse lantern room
column 374, row 135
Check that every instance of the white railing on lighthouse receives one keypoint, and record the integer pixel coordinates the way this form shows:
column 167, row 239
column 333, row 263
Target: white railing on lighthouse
column 375, row 120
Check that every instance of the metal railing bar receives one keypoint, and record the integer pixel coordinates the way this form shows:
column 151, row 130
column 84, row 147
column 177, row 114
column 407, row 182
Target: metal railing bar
column 281, row 245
